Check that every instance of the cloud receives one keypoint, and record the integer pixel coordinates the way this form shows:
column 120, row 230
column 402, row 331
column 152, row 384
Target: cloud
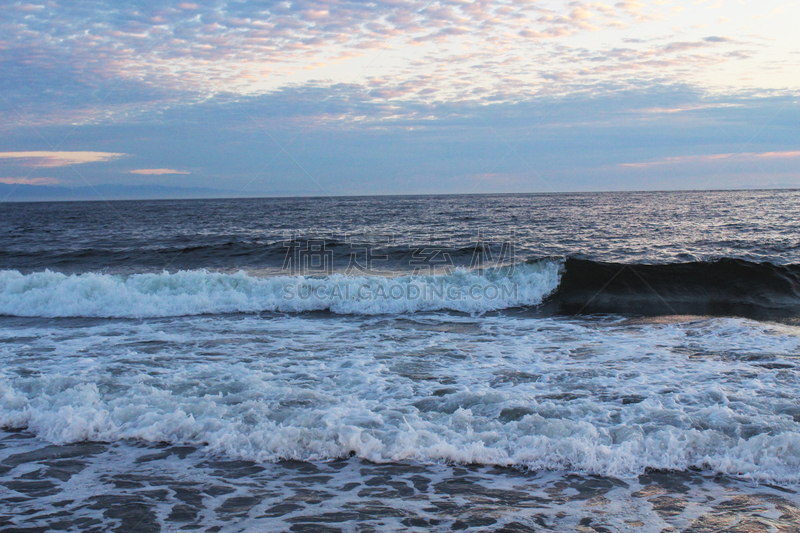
column 157, row 171
column 340, row 140
column 30, row 181
column 103, row 62
column 709, row 158
column 777, row 155
column 255, row 47
column 686, row 108
column 57, row 159
column 717, row 39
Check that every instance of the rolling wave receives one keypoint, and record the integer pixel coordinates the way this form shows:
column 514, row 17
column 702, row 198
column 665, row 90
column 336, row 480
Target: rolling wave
column 725, row 287
column 53, row 294
column 553, row 286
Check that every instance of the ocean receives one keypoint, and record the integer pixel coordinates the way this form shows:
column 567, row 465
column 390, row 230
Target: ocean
column 506, row 363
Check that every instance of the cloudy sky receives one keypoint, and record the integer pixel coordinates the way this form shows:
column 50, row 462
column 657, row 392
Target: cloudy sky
column 400, row 97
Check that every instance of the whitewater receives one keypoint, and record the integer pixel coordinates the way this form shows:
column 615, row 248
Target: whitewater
column 54, row 294
column 607, row 397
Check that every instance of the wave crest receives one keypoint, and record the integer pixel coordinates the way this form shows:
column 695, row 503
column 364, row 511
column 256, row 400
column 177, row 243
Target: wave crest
column 194, row 292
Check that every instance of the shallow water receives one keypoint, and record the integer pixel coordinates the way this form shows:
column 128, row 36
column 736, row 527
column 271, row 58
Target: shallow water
column 128, row 486
column 601, row 395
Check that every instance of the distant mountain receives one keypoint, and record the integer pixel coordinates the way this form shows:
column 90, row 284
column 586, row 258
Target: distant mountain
column 34, row 193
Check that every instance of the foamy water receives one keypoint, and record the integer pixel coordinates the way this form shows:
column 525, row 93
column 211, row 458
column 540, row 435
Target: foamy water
column 53, row 294
column 601, row 396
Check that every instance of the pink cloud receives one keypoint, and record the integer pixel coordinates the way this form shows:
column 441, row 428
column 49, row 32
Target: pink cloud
column 57, row 159
column 708, row 158
column 157, row 171
column 242, row 47
column 778, row 155
column 30, row 181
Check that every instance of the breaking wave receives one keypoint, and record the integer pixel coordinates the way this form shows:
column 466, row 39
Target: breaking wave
column 557, row 286
column 53, row 294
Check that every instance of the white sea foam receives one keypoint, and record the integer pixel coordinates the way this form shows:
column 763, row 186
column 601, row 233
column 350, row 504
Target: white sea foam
column 605, row 398
column 52, row 294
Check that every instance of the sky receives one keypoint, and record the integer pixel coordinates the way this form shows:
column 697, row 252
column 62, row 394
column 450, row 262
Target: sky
column 336, row 98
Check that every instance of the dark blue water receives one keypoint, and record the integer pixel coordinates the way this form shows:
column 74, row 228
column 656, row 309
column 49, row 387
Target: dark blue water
column 647, row 227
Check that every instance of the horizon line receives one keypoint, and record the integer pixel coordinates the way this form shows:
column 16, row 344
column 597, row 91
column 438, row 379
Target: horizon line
column 389, row 195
